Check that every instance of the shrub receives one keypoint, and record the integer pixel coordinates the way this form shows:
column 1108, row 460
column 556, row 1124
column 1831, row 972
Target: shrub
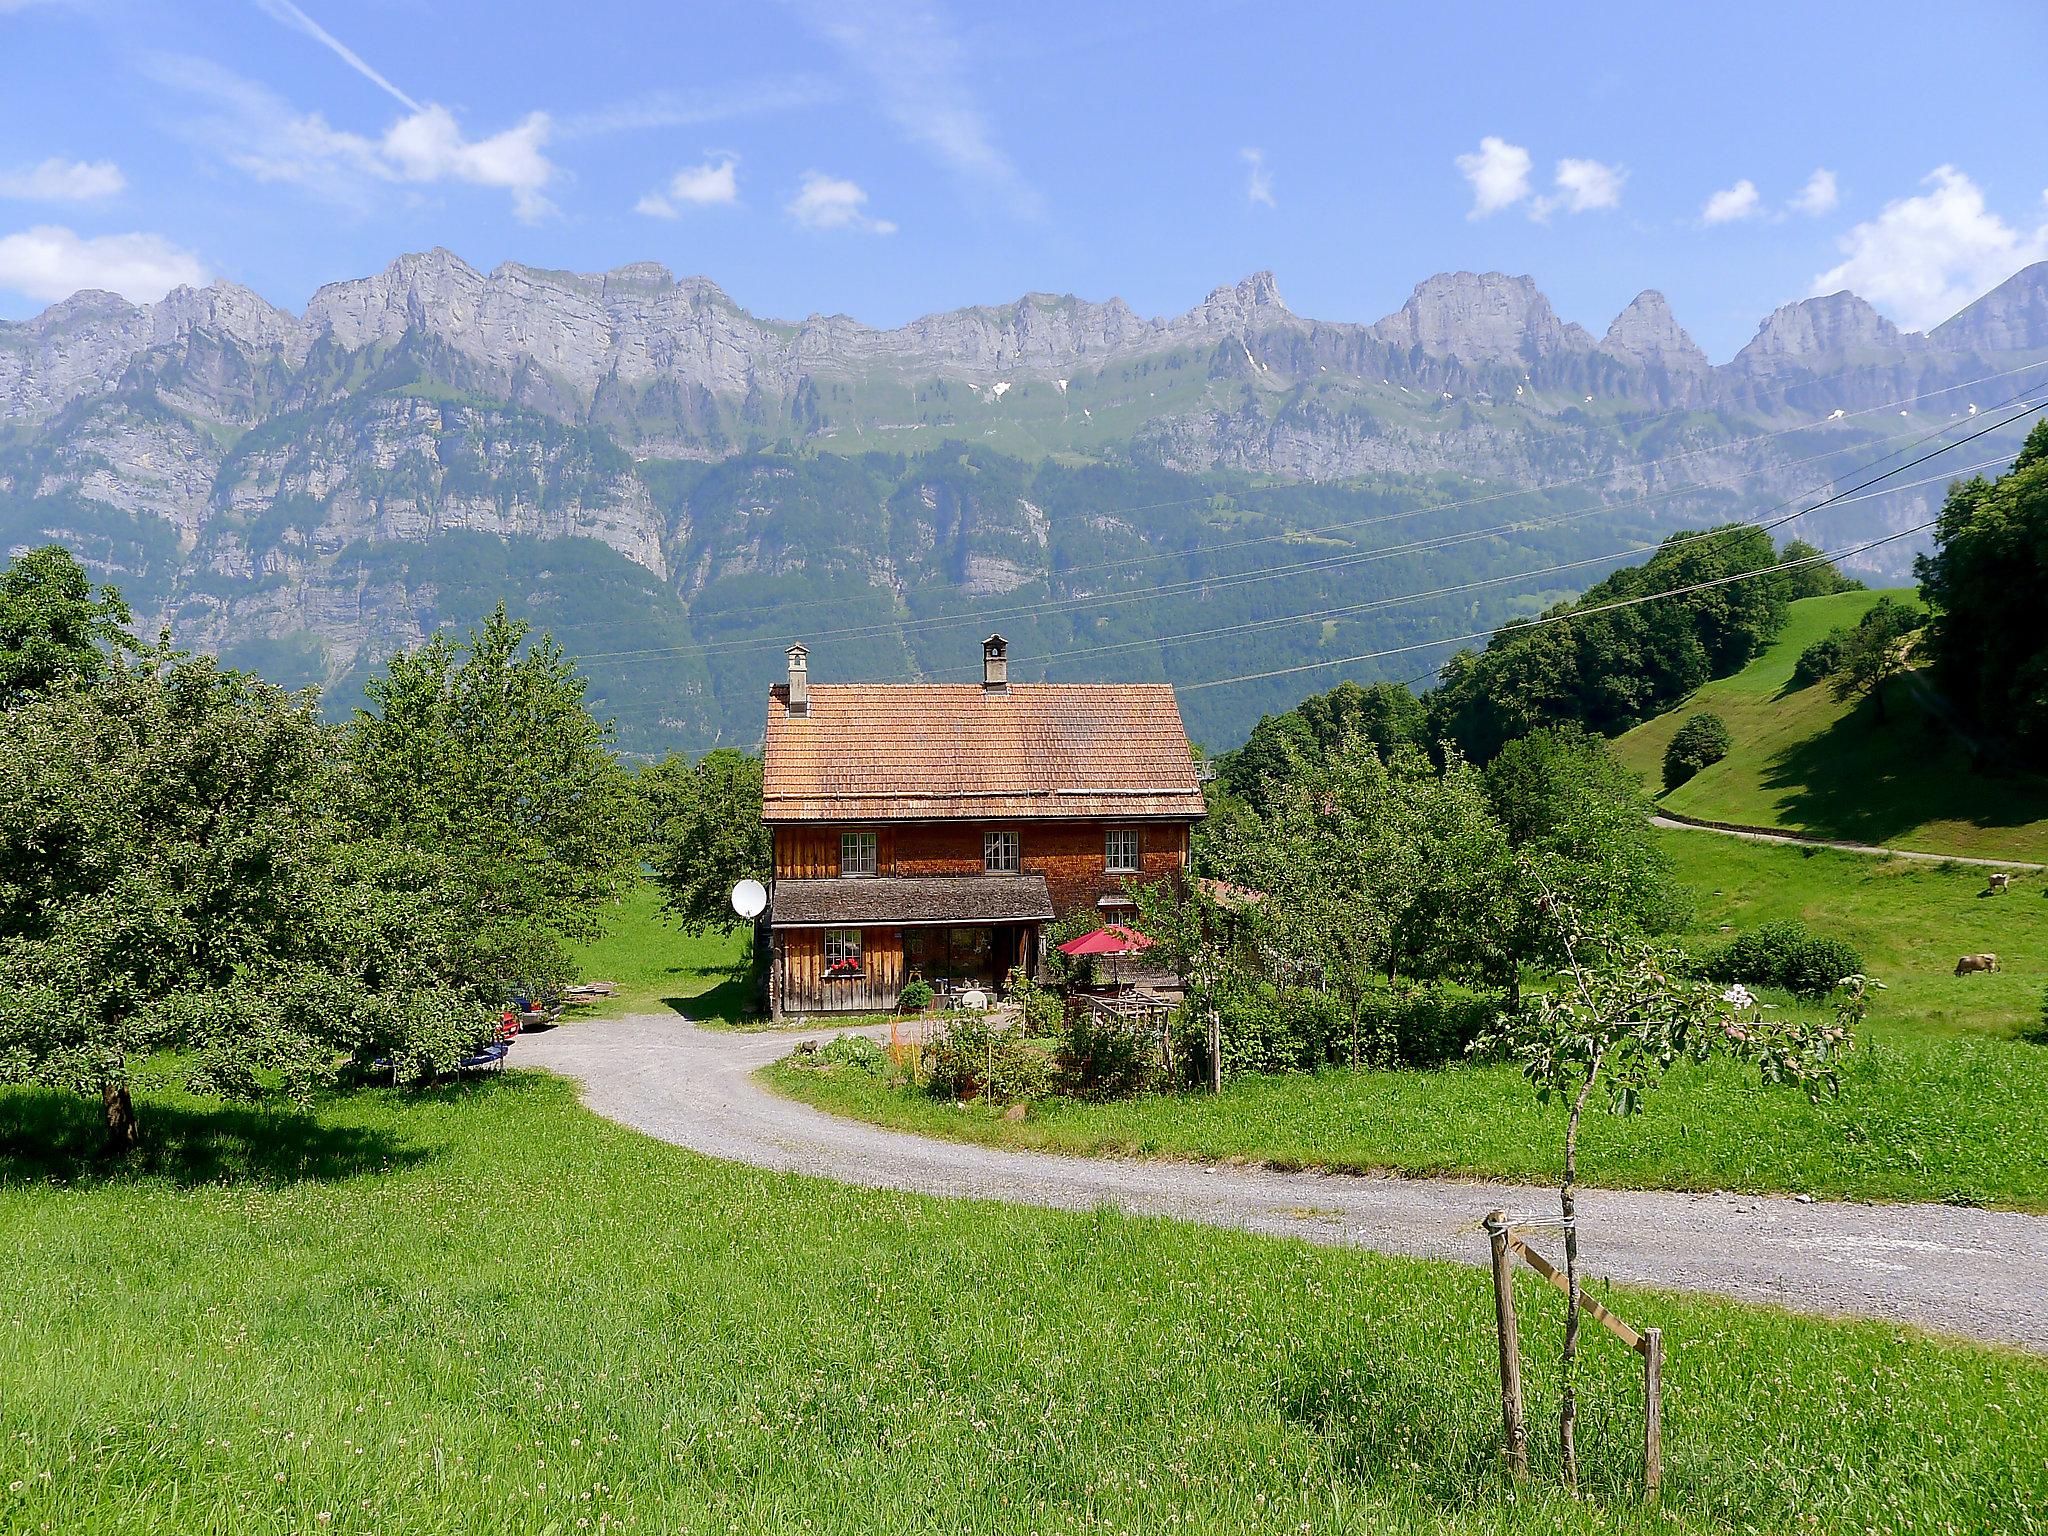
column 1043, row 1014
column 1702, row 740
column 856, row 1053
column 1785, row 954
column 969, row 1058
column 916, row 996
column 1428, row 1026
column 1821, row 659
column 1101, row 1057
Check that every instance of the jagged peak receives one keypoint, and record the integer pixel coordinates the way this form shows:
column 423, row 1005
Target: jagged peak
column 1826, row 323
column 1647, row 331
column 1480, row 317
column 2011, row 317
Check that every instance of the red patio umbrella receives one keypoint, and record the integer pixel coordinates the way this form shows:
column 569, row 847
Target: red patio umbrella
column 1113, row 940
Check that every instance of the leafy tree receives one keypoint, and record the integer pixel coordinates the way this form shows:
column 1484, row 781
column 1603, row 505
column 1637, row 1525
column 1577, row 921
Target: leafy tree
column 1388, row 716
column 482, row 753
column 1700, row 742
column 1875, row 651
column 54, row 625
column 1821, row 659
column 1818, row 578
column 170, row 881
column 1615, row 666
column 1987, row 583
column 1623, row 1014
column 705, row 833
column 1576, row 824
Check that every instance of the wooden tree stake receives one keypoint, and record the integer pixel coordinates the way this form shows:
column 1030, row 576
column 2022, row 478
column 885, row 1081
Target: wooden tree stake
column 1653, row 1413
column 1513, row 1423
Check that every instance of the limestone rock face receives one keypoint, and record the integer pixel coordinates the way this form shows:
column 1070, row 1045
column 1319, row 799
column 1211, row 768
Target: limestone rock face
column 2013, row 317
column 1481, row 317
column 1831, row 326
column 1647, row 332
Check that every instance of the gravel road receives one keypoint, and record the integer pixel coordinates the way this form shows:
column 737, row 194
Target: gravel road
column 1981, row 1274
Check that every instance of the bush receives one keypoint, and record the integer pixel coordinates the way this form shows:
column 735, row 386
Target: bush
column 969, row 1058
column 1043, row 1014
column 1428, row 1026
column 915, row 997
column 1821, row 659
column 1702, row 740
column 1785, row 954
column 1101, row 1057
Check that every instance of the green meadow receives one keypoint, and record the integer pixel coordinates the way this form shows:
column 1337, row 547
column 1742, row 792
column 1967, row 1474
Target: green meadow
column 483, row 1309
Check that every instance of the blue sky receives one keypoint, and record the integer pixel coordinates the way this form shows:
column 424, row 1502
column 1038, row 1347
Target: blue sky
column 886, row 160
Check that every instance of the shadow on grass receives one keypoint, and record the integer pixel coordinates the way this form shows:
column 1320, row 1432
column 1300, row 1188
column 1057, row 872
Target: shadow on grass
column 731, row 1002
column 46, row 1135
column 1865, row 782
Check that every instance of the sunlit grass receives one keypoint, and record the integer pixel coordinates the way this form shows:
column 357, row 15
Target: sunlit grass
column 485, row 1310
column 1940, row 1101
column 661, row 969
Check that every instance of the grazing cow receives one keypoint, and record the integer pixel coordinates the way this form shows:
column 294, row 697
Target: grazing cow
column 1970, row 963
column 1999, row 885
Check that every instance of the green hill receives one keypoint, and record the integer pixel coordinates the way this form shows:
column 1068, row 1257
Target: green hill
column 1804, row 763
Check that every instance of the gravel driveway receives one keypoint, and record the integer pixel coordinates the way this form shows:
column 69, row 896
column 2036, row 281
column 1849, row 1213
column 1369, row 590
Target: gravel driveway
column 1983, row 1274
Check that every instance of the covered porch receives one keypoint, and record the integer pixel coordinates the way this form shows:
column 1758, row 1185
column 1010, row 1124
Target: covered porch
column 850, row 945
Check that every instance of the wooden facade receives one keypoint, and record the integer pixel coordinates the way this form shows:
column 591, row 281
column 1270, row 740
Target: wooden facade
column 1074, row 776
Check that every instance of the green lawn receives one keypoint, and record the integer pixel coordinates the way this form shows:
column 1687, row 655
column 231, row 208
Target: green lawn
column 1804, row 763
column 485, row 1310
column 660, row 968
column 1941, row 1101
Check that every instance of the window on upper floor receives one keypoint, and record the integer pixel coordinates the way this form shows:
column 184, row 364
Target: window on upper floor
column 856, row 853
column 1001, row 853
column 1120, row 850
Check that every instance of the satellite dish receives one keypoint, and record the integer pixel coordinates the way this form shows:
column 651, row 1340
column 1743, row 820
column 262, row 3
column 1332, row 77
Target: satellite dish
column 750, row 899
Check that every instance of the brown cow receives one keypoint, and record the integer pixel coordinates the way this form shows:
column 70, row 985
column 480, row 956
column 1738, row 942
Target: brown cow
column 1969, row 963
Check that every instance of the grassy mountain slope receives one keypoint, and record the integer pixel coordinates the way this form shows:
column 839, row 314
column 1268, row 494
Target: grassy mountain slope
column 1804, row 763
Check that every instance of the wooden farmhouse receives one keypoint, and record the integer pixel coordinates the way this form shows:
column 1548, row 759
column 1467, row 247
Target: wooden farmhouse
column 935, row 830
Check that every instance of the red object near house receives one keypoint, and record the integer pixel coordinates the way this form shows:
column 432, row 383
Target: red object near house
column 1113, row 940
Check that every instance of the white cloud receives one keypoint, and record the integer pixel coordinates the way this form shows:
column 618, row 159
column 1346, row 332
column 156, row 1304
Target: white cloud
column 1499, row 174
column 288, row 13
column 1819, row 195
column 830, row 202
column 1731, row 204
column 429, row 147
column 64, row 181
column 49, row 262
column 1923, row 258
column 1583, row 186
column 262, row 134
column 714, row 183
column 924, row 81
column 1258, row 178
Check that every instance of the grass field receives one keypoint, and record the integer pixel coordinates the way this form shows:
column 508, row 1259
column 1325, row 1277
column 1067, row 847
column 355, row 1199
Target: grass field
column 660, row 968
column 485, row 1310
column 1943, row 1099
column 1804, row 763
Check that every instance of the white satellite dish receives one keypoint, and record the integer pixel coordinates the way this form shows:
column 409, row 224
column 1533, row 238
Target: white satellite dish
column 750, row 899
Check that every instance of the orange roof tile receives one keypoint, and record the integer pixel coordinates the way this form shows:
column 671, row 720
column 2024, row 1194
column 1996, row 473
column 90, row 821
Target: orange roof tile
column 954, row 751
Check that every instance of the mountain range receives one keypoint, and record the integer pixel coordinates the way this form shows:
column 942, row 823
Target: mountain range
column 676, row 487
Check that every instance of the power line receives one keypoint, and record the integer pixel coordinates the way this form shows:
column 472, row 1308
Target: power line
column 1562, row 618
column 1209, row 584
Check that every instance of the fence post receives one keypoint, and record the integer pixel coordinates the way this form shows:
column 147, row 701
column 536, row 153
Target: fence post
column 1215, row 1050
column 1512, row 1421
column 1653, row 1413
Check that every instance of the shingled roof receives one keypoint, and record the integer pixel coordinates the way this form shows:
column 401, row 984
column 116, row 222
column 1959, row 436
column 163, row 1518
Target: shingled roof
column 947, row 751
column 912, row 901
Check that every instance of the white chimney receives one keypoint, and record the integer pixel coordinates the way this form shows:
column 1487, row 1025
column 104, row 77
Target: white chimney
column 995, row 664
column 799, row 680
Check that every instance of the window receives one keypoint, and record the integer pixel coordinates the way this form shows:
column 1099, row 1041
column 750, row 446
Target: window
column 999, row 853
column 856, row 853
column 842, row 952
column 1120, row 850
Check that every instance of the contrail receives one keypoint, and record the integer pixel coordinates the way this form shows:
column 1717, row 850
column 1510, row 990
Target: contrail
column 288, row 13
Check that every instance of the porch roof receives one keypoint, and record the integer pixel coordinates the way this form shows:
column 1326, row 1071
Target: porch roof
column 910, row 901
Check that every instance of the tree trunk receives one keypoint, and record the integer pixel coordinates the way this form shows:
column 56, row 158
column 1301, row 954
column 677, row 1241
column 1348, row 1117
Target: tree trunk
column 1877, row 702
column 1568, row 1401
column 122, row 1131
